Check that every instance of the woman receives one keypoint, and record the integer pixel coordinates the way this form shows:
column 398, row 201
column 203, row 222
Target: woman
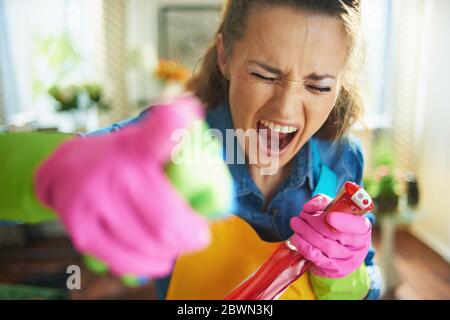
column 283, row 70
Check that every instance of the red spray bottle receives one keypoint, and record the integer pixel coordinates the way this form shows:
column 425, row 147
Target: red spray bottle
column 286, row 264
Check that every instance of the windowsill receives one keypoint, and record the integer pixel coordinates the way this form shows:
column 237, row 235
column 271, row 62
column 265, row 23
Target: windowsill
column 63, row 122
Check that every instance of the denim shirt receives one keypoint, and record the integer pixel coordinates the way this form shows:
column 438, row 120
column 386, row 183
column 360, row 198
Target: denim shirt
column 344, row 158
column 272, row 224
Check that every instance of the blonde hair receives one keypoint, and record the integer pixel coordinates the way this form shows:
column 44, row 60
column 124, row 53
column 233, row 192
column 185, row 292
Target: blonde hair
column 209, row 84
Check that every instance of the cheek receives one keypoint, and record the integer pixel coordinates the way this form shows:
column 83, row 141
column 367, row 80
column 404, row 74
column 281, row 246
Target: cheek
column 246, row 98
column 318, row 111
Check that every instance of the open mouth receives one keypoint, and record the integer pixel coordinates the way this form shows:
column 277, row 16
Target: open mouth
column 275, row 137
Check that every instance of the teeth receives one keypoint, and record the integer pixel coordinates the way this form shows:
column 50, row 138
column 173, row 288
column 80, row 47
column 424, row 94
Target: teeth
column 284, row 129
column 278, row 128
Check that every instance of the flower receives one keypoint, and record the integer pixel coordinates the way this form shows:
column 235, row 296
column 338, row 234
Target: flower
column 171, row 70
column 382, row 171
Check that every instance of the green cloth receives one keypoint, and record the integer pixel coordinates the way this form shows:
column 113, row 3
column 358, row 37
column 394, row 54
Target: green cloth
column 20, row 156
column 355, row 286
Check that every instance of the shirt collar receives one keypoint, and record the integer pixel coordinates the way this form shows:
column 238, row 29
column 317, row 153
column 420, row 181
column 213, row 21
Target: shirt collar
column 220, row 118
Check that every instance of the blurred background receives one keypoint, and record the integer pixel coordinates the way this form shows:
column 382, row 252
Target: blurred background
column 77, row 65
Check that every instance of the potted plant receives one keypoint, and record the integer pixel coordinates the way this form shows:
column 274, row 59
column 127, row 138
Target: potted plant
column 383, row 187
column 77, row 100
column 382, row 182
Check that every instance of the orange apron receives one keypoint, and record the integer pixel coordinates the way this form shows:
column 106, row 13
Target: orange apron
column 235, row 252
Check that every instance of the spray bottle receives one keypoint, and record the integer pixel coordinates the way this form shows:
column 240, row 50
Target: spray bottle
column 287, row 264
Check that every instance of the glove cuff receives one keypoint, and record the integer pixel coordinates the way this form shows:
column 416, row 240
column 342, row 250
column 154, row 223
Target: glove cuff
column 355, row 286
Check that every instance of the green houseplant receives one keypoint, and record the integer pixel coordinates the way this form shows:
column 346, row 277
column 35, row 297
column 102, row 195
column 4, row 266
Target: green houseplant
column 78, row 99
column 382, row 181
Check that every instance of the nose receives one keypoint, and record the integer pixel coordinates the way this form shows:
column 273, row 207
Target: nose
column 290, row 101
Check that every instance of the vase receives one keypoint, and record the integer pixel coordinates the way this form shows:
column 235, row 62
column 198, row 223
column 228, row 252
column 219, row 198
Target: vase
column 172, row 89
column 79, row 120
column 72, row 121
column 386, row 204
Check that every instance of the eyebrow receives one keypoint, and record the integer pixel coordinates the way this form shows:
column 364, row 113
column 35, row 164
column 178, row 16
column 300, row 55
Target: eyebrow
column 266, row 67
column 313, row 76
column 318, row 77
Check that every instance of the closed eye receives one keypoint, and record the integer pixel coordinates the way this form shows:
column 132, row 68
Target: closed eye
column 319, row 89
column 261, row 77
column 315, row 89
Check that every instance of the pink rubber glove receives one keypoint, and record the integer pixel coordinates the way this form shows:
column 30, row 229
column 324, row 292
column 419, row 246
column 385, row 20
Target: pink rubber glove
column 114, row 199
column 334, row 253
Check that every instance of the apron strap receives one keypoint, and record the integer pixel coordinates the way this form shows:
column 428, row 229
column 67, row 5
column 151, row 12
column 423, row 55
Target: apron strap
column 326, row 179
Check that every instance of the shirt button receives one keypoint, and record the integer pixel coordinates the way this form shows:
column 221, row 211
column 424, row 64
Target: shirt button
column 275, row 211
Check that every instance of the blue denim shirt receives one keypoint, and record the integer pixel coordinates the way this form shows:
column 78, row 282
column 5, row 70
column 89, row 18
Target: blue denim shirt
column 344, row 158
column 272, row 224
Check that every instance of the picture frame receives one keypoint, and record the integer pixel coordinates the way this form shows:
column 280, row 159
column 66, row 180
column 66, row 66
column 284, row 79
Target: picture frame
column 185, row 31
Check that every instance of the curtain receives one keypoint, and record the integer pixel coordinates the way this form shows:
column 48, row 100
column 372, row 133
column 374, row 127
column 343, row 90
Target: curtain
column 114, row 59
column 2, row 49
column 2, row 99
column 9, row 99
column 409, row 49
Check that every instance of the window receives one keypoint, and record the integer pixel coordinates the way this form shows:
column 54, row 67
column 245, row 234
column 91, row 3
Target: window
column 43, row 42
column 376, row 23
column 27, row 24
